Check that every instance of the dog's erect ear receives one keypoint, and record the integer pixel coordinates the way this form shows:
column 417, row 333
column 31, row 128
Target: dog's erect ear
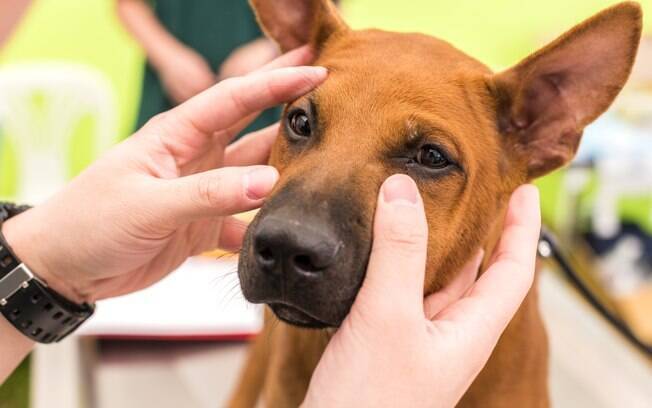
column 546, row 100
column 292, row 23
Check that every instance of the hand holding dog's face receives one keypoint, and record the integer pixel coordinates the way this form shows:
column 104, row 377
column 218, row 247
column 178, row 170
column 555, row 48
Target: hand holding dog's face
column 409, row 103
column 387, row 352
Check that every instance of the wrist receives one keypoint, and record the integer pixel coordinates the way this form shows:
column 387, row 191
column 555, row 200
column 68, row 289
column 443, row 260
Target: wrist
column 14, row 345
column 27, row 242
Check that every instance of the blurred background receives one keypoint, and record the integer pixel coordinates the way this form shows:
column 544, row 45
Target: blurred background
column 77, row 77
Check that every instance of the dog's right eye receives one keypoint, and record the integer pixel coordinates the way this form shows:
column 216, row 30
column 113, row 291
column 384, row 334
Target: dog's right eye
column 430, row 156
column 300, row 123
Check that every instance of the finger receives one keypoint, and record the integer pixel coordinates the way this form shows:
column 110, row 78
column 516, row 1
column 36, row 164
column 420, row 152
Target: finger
column 226, row 136
column 512, row 273
column 232, row 234
column 394, row 281
column 436, row 302
column 299, row 56
column 252, row 149
column 231, row 100
column 224, row 191
column 496, row 296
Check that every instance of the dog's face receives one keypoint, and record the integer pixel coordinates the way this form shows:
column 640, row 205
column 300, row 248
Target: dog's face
column 409, row 103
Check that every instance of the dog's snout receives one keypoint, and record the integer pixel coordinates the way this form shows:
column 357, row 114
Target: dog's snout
column 291, row 246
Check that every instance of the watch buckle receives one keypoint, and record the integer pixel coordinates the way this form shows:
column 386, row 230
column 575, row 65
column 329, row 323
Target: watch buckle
column 15, row 280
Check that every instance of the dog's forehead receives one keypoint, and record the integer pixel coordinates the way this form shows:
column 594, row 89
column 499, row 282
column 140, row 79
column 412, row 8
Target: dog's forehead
column 378, row 77
column 391, row 52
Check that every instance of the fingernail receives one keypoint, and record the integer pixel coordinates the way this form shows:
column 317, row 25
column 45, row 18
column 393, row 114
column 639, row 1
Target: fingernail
column 310, row 78
column 259, row 182
column 400, row 188
column 319, row 71
column 315, row 74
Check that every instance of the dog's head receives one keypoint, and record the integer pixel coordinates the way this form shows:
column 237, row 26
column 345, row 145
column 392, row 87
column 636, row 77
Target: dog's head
column 410, row 103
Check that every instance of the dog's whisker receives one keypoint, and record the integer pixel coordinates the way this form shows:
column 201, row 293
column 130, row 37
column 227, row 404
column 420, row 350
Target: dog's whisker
column 228, row 295
column 218, row 279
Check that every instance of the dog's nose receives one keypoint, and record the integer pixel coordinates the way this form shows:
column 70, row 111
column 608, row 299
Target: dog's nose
column 290, row 246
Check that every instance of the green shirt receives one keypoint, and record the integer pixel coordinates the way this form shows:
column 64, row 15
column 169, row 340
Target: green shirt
column 213, row 28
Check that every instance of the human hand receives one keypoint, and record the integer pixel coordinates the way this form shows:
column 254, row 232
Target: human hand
column 164, row 194
column 396, row 348
column 184, row 73
column 248, row 58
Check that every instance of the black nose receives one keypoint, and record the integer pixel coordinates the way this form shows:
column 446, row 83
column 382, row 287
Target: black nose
column 293, row 246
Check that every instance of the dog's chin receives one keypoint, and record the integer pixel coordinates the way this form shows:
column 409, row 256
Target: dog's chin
column 296, row 317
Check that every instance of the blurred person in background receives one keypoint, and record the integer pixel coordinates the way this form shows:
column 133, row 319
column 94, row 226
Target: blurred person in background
column 10, row 14
column 190, row 46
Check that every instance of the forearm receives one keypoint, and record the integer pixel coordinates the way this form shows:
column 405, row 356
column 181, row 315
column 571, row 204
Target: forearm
column 139, row 19
column 13, row 348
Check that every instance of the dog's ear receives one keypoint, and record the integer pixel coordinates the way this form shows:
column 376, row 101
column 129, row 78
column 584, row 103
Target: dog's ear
column 292, row 23
column 546, row 100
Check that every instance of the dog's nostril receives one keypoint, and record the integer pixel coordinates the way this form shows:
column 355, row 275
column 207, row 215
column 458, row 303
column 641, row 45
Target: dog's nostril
column 266, row 258
column 266, row 254
column 305, row 263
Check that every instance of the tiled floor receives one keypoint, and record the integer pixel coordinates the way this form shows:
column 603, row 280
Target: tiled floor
column 591, row 366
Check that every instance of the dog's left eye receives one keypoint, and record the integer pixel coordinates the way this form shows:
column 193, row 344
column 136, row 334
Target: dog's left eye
column 300, row 123
column 430, row 156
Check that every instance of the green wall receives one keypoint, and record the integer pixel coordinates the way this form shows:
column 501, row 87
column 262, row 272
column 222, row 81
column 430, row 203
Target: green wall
column 497, row 32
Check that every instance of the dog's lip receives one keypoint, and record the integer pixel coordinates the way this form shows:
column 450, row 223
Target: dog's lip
column 294, row 315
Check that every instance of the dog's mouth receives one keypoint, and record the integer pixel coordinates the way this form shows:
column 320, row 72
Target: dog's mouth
column 292, row 315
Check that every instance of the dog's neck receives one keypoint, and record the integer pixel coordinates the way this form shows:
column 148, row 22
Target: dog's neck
column 492, row 240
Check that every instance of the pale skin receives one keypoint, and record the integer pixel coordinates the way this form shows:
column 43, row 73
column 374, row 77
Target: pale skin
column 183, row 72
column 167, row 193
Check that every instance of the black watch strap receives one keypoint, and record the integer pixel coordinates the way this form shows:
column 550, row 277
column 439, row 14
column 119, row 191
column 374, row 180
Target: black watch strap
column 27, row 302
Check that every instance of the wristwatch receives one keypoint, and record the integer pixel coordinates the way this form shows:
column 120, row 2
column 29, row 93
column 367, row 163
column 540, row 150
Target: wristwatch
column 27, row 302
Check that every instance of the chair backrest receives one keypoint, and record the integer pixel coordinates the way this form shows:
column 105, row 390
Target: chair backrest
column 41, row 104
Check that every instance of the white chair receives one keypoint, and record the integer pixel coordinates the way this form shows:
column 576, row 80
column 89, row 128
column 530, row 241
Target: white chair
column 40, row 106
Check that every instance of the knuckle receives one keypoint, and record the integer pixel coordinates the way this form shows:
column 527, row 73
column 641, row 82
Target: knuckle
column 239, row 101
column 404, row 237
column 208, row 191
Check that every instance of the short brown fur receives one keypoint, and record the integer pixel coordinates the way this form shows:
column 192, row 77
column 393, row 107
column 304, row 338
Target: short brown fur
column 504, row 130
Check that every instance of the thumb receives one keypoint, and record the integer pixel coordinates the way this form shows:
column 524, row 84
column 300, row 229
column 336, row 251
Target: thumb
column 219, row 192
column 394, row 281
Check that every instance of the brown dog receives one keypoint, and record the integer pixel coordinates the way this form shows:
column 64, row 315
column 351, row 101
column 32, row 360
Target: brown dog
column 409, row 103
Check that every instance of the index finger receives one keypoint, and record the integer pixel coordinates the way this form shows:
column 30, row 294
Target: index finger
column 224, row 104
column 512, row 272
column 299, row 56
column 496, row 296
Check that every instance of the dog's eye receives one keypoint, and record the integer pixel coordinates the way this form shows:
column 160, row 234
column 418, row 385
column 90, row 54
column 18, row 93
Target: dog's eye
column 300, row 123
column 430, row 156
